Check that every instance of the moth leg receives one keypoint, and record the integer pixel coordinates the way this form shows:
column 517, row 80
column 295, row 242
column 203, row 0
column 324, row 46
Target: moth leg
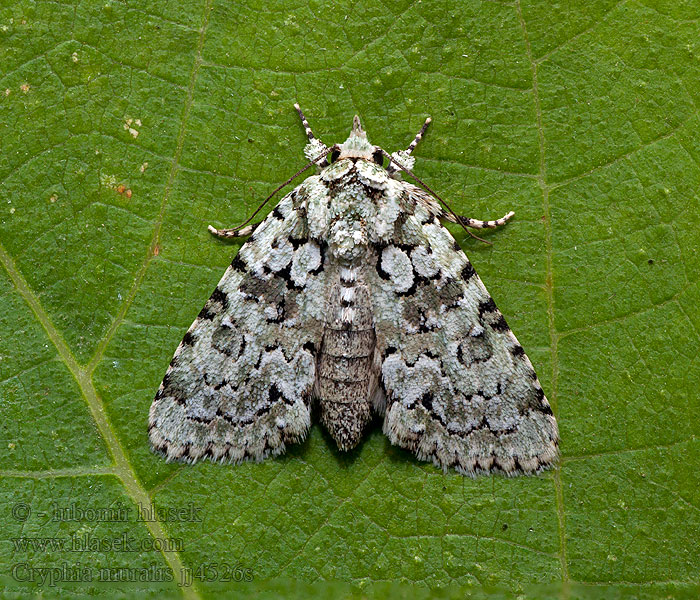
column 233, row 233
column 476, row 224
column 412, row 146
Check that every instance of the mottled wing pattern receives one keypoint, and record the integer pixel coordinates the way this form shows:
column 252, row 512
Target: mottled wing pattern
column 460, row 391
column 240, row 383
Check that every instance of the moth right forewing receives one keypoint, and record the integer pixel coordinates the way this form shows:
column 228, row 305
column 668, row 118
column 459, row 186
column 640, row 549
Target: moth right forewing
column 460, row 390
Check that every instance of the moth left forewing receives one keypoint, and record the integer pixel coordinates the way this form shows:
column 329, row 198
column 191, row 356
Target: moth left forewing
column 460, row 390
column 239, row 385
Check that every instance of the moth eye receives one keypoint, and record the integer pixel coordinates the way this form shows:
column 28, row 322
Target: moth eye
column 378, row 157
column 334, row 155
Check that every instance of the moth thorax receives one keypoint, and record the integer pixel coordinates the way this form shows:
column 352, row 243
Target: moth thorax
column 348, row 243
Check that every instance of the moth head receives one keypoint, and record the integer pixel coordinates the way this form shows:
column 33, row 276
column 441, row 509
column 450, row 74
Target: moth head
column 357, row 145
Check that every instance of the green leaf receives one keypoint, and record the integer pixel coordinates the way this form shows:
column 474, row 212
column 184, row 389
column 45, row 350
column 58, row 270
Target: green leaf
column 126, row 128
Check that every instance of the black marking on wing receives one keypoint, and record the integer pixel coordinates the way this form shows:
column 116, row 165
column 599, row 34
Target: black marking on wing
column 500, row 324
column 468, row 272
column 487, row 306
column 280, row 308
column 206, row 314
column 286, row 275
column 297, row 242
column 322, row 247
column 219, row 296
column 382, row 273
column 239, row 264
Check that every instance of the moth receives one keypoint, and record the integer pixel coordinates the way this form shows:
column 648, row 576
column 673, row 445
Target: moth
column 352, row 298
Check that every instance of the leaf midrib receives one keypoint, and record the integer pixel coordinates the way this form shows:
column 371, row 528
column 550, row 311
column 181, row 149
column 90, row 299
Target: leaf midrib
column 83, row 377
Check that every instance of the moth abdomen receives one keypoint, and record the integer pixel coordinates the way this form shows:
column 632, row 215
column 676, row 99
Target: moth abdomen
column 345, row 364
column 345, row 422
column 345, row 383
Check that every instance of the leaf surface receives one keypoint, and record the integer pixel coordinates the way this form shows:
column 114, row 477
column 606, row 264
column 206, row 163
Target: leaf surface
column 127, row 128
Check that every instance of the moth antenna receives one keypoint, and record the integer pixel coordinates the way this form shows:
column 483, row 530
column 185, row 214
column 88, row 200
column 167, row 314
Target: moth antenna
column 435, row 195
column 307, row 128
column 292, row 178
